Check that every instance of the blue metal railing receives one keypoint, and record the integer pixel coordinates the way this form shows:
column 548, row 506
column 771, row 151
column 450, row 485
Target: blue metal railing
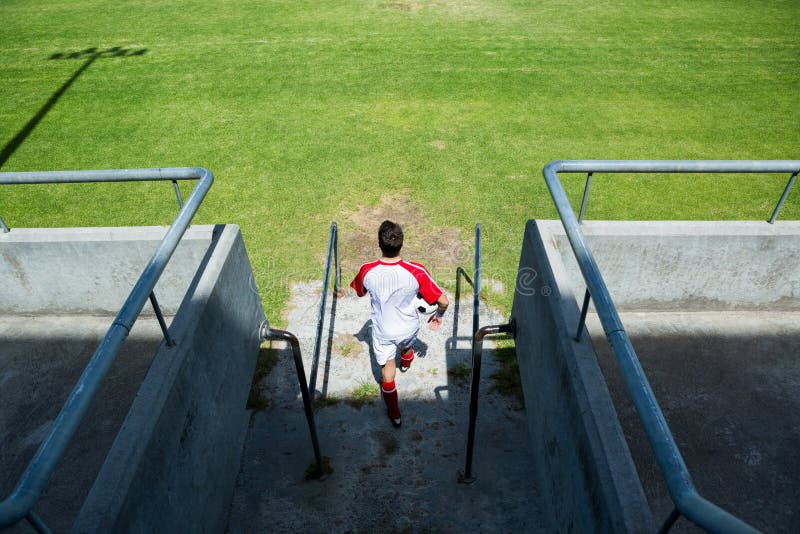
column 663, row 166
column 475, row 282
column 333, row 252
column 19, row 505
column 467, row 477
column 267, row 333
column 688, row 502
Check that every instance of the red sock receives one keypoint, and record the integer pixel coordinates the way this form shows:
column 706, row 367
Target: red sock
column 390, row 398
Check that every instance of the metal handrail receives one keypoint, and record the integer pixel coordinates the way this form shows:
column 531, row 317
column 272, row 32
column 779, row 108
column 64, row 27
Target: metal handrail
column 683, row 166
column 33, row 481
column 333, row 250
column 272, row 333
column 475, row 282
column 688, row 501
column 476, row 286
column 467, row 476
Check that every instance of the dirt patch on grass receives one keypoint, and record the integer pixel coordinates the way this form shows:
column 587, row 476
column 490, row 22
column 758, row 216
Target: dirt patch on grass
column 400, row 6
column 440, row 249
column 438, row 144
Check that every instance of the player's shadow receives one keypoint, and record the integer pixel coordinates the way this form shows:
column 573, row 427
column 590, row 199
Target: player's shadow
column 89, row 55
column 365, row 336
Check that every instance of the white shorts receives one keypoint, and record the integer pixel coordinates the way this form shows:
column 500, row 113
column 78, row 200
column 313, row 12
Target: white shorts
column 385, row 349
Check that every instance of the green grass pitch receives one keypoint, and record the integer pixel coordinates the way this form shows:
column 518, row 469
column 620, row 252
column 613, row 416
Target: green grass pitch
column 306, row 110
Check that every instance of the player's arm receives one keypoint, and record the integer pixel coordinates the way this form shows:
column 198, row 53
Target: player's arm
column 441, row 306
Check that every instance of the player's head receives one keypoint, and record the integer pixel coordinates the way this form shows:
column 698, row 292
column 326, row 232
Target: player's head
column 390, row 239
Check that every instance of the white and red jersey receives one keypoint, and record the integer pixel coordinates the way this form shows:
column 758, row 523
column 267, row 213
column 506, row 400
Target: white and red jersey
column 392, row 288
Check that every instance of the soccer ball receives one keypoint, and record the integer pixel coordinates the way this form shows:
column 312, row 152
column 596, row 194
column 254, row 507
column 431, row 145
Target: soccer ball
column 422, row 307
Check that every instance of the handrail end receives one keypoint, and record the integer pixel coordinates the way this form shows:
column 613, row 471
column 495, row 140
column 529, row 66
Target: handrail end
column 511, row 328
column 264, row 330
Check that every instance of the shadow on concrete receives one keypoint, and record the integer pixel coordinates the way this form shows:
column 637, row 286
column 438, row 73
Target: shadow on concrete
column 729, row 387
column 41, row 359
column 89, row 55
column 329, row 346
column 399, row 480
column 365, row 336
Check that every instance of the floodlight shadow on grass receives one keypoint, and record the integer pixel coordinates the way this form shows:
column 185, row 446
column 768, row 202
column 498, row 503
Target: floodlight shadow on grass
column 90, row 55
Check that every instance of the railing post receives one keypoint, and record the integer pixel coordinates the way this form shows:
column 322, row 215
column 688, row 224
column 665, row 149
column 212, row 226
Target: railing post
column 178, row 193
column 476, row 281
column 585, row 197
column 337, row 285
column 456, row 308
column 160, row 317
column 332, row 246
column 783, row 198
column 466, row 476
column 458, row 283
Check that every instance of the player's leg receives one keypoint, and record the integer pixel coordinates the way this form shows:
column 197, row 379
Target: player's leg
column 406, row 353
column 385, row 352
column 388, row 370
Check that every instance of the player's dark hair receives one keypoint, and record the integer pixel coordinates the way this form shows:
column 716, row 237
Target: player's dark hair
column 390, row 239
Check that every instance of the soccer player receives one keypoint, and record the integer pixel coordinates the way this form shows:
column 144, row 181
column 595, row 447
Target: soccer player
column 393, row 285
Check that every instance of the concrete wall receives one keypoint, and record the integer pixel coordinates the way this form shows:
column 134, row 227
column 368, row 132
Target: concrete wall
column 690, row 265
column 584, row 471
column 742, row 272
column 91, row 270
column 173, row 465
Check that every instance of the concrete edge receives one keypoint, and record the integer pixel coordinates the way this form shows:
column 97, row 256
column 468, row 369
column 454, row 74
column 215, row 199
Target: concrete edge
column 102, row 233
column 677, row 228
column 602, row 422
column 91, row 271
column 607, row 493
